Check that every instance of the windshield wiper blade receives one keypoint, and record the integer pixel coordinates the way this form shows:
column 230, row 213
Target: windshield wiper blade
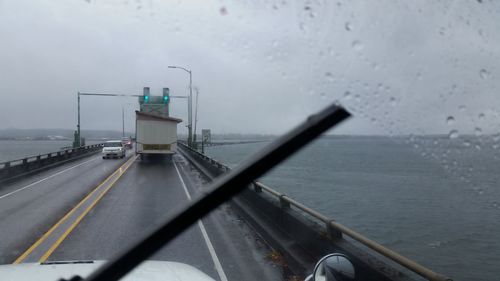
column 221, row 190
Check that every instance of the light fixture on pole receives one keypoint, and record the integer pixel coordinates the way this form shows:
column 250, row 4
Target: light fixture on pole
column 190, row 103
column 196, row 117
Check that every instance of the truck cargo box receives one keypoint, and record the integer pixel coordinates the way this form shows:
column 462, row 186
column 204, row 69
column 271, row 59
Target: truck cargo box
column 155, row 134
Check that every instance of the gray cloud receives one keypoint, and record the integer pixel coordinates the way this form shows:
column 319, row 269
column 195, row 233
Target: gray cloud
column 405, row 66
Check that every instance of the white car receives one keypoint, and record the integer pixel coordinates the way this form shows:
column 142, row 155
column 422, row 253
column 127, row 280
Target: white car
column 112, row 149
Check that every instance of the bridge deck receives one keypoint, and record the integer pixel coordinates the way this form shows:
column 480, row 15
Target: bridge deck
column 220, row 245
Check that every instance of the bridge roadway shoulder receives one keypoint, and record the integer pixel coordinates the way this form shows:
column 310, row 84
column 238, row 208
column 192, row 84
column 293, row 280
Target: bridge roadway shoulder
column 146, row 194
column 30, row 206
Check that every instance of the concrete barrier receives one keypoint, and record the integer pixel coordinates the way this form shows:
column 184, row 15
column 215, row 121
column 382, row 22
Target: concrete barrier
column 14, row 169
column 300, row 239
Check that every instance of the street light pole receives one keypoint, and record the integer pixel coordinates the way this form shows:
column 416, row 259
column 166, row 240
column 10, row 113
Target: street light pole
column 77, row 137
column 190, row 109
column 123, row 117
column 195, row 118
column 190, row 104
column 123, row 122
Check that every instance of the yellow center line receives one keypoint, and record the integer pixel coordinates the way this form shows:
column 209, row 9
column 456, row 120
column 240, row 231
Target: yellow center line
column 22, row 257
column 79, row 219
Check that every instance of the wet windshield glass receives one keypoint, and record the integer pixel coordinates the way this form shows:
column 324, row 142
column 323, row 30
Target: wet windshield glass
column 113, row 144
column 414, row 169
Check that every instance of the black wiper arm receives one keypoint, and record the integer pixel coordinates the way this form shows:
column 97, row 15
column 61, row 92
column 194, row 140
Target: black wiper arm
column 222, row 190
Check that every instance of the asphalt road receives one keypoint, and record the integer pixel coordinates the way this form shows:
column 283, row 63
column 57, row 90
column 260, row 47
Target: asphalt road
column 148, row 191
column 145, row 195
column 30, row 206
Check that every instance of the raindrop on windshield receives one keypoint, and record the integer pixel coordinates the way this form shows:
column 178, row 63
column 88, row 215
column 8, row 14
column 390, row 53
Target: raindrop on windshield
column 331, row 51
column 348, row 26
column 393, row 101
column 347, row 95
column 329, row 76
column 223, row 11
column 496, row 137
column 450, row 120
column 357, row 45
column 481, row 116
column 442, row 31
column 485, row 74
column 478, row 131
column 453, row 134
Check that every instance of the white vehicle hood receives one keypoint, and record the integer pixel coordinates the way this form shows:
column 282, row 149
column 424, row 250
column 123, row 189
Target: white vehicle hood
column 147, row 271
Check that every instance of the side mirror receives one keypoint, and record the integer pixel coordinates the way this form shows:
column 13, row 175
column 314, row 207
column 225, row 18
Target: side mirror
column 333, row 267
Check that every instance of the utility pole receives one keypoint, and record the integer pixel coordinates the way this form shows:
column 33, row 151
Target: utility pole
column 123, row 123
column 78, row 138
column 190, row 104
column 196, row 117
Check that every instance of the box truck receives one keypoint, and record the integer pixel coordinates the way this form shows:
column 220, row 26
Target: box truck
column 155, row 134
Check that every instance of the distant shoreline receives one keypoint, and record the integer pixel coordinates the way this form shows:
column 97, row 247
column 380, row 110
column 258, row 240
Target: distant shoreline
column 257, row 137
column 32, row 139
column 41, row 139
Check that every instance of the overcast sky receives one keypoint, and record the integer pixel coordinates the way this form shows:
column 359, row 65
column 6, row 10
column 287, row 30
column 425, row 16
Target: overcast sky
column 401, row 68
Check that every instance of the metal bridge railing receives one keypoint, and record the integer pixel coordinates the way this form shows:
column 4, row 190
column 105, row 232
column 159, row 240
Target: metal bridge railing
column 329, row 223
column 18, row 167
column 405, row 262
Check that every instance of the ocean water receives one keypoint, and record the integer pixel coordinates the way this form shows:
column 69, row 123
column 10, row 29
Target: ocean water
column 433, row 200
column 16, row 149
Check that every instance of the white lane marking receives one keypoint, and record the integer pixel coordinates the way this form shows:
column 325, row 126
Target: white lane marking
column 211, row 249
column 44, row 179
column 182, row 181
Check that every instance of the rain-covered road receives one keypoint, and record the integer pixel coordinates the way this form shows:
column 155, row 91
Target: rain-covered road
column 93, row 208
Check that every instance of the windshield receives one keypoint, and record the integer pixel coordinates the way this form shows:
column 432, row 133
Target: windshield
column 113, row 144
column 414, row 169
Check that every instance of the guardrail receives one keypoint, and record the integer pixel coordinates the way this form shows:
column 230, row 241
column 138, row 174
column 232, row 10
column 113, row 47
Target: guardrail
column 332, row 228
column 332, row 225
column 19, row 167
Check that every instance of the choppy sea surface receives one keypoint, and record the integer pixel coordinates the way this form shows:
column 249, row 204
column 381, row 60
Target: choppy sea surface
column 434, row 200
column 18, row 149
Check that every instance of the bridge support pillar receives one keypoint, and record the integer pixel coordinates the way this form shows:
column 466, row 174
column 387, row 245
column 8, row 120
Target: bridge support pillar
column 332, row 232
column 283, row 202
column 257, row 188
